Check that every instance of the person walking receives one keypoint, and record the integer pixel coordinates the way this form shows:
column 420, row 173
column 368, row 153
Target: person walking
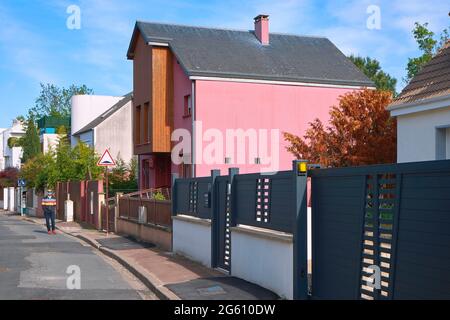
column 49, row 206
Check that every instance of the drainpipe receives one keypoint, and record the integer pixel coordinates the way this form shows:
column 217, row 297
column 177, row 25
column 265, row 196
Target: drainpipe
column 193, row 151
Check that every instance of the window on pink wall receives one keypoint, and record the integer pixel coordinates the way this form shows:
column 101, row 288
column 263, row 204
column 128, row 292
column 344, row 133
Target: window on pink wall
column 187, row 105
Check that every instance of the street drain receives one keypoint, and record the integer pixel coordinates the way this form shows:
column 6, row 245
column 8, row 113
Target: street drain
column 211, row 291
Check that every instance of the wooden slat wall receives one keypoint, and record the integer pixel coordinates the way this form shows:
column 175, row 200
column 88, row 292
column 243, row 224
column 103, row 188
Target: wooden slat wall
column 153, row 84
column 162, row 99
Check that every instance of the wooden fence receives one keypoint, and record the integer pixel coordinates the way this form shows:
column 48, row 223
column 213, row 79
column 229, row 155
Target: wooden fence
column 159, row 212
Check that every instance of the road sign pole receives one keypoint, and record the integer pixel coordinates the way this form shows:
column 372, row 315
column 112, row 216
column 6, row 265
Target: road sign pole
column 106, row 201
column 106, row 161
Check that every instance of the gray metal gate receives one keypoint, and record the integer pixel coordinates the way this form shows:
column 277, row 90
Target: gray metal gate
column 392, row 217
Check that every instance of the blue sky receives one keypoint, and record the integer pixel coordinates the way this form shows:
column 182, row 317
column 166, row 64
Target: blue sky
column 36, row 46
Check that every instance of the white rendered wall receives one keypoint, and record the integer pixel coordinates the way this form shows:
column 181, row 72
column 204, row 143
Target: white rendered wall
column 11, row 200
column 192, row 240
column 263, row 261
column 309, row 228
column 49, row 141
column 12, row 156
column 2, row 158
column 16, row 158
column 416, row 134
column 85, row 108
column 116, row 134
column 5, row 198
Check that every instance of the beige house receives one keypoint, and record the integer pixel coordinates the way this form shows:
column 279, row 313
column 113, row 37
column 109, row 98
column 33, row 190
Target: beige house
column 423, row 112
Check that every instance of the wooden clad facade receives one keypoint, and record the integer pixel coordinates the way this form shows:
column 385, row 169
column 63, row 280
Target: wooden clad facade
column 153, row 98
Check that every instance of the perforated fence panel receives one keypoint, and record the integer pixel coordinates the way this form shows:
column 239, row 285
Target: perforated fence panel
column 389, row 221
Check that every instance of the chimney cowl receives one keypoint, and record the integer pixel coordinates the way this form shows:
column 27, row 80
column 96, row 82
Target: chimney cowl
column 262, row 28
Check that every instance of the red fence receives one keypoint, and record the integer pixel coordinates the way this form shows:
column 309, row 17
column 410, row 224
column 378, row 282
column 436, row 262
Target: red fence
column 86, row 197
column 90, row 206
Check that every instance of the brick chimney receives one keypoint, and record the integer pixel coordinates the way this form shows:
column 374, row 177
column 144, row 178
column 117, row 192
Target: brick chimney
column 262, row 28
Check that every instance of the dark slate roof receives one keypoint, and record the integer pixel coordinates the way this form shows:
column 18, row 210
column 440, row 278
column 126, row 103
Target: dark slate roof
column 239, row 54
column 105, row 115
column 432, row 81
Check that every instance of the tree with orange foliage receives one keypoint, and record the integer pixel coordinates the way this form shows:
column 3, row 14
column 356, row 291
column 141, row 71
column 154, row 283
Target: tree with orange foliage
column 360, row 132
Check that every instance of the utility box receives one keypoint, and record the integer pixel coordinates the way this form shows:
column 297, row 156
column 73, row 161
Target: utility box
column 68, row 210
column 142, row 215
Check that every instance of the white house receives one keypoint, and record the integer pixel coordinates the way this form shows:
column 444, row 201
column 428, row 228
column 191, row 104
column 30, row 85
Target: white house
column 423, row 112
column 48, row 131
column 11, row 157
column 109, row 127
column 2, row 160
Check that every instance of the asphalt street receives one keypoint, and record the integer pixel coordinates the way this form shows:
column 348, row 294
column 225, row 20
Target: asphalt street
column 38, row 266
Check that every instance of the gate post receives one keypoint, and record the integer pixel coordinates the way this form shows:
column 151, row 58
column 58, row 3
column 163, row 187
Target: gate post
column 214, row 216
column 232, row 172
column 174, row 208
column 174, row 205
column 300, row 254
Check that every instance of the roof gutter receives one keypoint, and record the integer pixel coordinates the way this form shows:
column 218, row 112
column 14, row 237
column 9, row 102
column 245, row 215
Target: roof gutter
column 287, row 83
column 418, row 106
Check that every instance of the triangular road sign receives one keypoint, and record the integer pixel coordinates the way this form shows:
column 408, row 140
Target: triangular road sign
column 106, row 160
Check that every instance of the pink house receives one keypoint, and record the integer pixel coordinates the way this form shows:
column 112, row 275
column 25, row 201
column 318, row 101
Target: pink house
column 234, row 92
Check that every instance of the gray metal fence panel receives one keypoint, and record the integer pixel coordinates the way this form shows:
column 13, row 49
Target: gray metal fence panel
column 265, row 201
column 336, row 236
column 395, row 217
column 423, row 241
column 190, row 197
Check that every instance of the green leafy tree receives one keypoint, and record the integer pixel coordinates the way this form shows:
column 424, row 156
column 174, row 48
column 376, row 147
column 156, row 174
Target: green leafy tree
column 14, row 142
column 30, row 142
column 55, row 101
column 40, row 172
column 372, row 69
column 85, row 163
column 123, row 177
column 428, row 46
column 61, row 164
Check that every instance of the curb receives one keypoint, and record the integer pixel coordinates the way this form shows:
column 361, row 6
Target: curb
column 150, row 282
column 160, row 291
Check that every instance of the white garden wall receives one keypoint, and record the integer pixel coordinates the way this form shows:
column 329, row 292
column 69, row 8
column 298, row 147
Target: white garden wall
column 263, row 257
column 192, row 238
column 5, row 198
column 11, row 200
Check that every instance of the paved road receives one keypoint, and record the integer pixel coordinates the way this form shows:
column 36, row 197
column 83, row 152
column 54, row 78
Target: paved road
column 34, row 265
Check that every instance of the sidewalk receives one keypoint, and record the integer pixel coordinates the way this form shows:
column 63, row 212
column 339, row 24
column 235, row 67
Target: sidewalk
column 169, row 276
